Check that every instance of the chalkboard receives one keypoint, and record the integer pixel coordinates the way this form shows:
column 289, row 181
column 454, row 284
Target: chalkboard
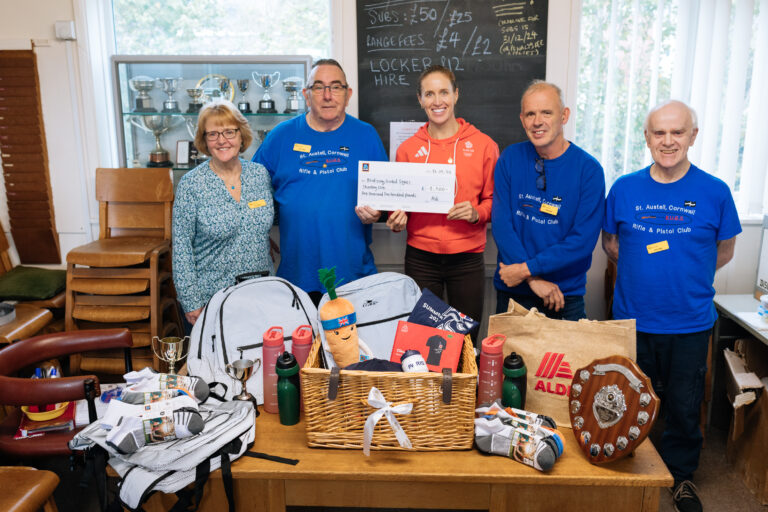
column 494, row 47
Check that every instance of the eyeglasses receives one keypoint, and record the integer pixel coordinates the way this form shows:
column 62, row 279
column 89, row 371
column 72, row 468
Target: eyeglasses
column 541, row 179
column 228, row 134
column 336, row 89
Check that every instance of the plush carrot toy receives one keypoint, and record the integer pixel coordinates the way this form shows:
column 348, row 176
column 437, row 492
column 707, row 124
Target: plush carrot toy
column 338, row 318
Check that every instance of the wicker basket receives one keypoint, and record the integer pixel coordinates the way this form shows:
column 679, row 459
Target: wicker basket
column 432, row 424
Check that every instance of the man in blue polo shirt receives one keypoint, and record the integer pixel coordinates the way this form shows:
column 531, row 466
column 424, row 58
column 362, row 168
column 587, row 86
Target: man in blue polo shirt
column 669, row 227
column 312, row 160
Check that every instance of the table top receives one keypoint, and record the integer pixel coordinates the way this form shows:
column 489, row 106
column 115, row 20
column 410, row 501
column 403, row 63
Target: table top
column 28, row 322
column 645, row 469
column 732, row 305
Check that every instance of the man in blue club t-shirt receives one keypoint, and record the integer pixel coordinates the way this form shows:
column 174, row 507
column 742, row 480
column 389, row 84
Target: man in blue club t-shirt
column 312, row 160
column 669, row 227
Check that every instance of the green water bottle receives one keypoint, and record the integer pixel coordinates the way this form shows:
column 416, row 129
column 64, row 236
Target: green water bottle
column 513, row 387
column 288, row 388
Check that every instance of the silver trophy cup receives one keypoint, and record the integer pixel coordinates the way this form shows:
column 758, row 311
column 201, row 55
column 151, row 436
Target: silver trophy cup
column 142, row 85
column 157, row 125
column 170, row 86
column 266, row 81
column 241, row 370
column 196, row 100
column 243, row 106
column 171, row 350
column 294, row 102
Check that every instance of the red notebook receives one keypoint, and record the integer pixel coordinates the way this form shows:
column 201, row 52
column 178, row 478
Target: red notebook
column 30, row 428
column 440, row 349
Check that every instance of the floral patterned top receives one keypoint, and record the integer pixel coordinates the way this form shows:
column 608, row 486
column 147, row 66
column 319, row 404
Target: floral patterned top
column 216, row 238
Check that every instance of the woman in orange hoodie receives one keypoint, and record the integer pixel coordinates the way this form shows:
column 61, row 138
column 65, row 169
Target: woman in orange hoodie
column 445, row 251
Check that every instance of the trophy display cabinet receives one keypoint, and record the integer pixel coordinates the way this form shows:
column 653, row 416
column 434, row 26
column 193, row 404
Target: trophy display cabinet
column 158, row 99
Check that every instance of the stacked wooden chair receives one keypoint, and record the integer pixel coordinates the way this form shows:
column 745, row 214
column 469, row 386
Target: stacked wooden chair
column 123, row 279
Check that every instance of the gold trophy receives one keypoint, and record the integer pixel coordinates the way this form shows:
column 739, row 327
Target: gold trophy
column 170, row 350
column 241, row 370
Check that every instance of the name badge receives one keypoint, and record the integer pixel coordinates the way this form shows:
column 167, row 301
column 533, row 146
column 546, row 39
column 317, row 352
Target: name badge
column 302, row 148
column 549, row 208
column 257, row 204
column 657, row 247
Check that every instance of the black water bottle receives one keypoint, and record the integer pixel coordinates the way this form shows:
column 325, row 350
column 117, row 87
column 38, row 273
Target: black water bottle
column 288, row 391
column 513, row 387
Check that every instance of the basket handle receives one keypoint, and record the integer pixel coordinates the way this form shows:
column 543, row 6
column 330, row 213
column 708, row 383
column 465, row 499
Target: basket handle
column 333, row 383
column 447, row 385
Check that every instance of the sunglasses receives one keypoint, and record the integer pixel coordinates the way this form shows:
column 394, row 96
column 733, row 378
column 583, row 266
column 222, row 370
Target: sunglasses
column 541, row 179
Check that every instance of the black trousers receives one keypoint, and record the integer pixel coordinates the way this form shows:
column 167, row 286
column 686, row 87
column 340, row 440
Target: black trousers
column 461, row 276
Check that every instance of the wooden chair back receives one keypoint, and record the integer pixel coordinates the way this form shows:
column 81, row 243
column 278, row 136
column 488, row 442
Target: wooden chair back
column 134, row 202
column 5, row 258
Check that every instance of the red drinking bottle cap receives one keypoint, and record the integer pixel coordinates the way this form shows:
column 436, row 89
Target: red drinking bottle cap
column 493, row 344
column 302, row 335
column 273, row 337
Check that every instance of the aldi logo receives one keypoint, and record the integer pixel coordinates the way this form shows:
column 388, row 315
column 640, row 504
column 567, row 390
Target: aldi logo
column 553, row 366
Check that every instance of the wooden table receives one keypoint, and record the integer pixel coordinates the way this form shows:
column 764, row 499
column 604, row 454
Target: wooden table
column 448, row 480
column 28, row 322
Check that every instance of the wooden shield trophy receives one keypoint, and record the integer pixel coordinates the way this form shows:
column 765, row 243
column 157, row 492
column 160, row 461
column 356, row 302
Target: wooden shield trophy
column 612, row 408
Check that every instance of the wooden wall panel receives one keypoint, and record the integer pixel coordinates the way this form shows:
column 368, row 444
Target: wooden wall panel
column 25, row 159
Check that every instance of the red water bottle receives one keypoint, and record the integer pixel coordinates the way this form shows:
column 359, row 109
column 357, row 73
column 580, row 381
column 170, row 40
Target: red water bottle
column 491, row 375
column 273, row 347
column 301, row 343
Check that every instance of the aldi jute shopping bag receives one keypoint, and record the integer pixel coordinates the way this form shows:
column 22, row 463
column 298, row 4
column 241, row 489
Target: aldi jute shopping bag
column 554, row 349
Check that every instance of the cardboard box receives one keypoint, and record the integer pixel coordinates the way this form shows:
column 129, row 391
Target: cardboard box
column 748, row 392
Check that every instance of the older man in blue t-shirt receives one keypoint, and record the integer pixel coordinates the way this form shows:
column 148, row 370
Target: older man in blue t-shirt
column 669, row 227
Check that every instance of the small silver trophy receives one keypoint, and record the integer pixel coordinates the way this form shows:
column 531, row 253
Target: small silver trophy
column 266, row 81
column 157, row 125
column 142, row 85
column 170, row 86
column 243, row 106
column 196, row 100
column 241, row 370
column 171, row 350
column 294, row 103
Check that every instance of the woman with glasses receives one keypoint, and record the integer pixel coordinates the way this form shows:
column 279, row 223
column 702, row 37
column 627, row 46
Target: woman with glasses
column 444, row 252
column 222, row 212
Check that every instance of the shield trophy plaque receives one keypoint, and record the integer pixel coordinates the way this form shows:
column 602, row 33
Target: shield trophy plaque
column 266, row 81
column 169, row 86
column 142, row 85
column 612, row 407
column 293, row 103
column 243, row 106
column 241, row 370
column 171, row 350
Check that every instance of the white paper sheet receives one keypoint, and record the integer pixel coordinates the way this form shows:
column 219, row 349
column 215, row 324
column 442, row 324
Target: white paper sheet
column 399, row 131
column 390, row 186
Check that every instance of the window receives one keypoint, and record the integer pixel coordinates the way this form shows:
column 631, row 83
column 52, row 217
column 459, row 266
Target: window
column 712, row 54
column 212, row 27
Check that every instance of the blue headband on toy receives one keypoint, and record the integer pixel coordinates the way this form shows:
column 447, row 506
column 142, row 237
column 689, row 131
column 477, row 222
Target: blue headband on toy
column 342, row 321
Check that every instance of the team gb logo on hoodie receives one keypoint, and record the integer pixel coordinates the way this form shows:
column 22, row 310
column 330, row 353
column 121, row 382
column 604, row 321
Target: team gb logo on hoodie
column 469, row 150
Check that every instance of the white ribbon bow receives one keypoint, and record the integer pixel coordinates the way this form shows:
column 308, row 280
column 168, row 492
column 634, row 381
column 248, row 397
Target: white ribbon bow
column 376, row 400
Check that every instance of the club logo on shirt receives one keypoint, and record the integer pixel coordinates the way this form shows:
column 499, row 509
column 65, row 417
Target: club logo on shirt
column 690, row 204
column 421, row 152
column 663, row 218
column 557, row 199
column 344, row 148
column 468, row 144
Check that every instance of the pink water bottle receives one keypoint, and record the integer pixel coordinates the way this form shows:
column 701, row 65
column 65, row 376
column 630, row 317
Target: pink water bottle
column 301, row 343
column 491, row 374
column 273, row 347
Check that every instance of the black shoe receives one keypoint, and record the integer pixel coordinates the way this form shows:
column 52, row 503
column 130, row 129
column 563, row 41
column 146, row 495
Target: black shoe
column 685, row 497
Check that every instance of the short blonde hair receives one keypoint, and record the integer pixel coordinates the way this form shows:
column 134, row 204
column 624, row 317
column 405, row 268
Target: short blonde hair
column 222, row 112
column 540, row 85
